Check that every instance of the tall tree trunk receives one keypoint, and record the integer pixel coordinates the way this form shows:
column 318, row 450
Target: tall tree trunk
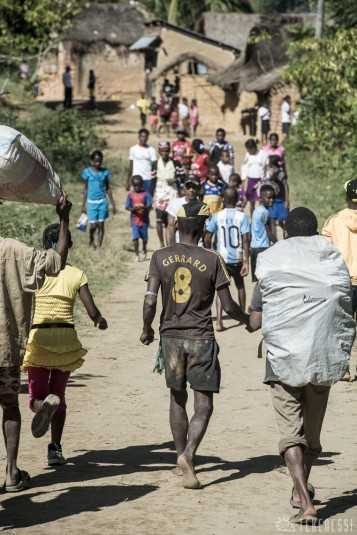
column 173, row 11
column 319, row 19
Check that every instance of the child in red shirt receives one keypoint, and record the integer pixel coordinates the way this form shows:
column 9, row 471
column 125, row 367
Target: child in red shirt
column 139, row 203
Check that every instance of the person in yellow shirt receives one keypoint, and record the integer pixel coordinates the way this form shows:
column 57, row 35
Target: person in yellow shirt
column 143, row 104
column 53, row 350
column 341, row 230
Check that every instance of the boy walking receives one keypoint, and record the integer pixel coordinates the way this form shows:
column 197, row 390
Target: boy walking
column 189, row 276
column 262, row 234
column 233, row 232
column 139, row 203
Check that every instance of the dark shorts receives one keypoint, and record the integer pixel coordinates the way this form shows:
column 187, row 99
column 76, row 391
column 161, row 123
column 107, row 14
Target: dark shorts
column 162, row 215
column 265, row 126
column 165, row 118
column 253, row 259
column 286, row 128
column 278, row 210
column 354, row 299
column 234, row 272
column 195, row 361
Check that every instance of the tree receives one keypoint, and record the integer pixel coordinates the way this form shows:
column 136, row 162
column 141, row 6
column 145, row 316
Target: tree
column 27, row 26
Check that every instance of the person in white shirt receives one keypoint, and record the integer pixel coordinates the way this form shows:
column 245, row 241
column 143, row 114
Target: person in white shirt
column 141, row 158
column 192, row 187
column 253, row 171
column 264, row 114
column 184, row 113
column 286, row 115
column 225, row 167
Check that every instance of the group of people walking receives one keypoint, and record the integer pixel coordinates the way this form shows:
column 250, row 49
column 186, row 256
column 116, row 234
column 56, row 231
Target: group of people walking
column 303, row 298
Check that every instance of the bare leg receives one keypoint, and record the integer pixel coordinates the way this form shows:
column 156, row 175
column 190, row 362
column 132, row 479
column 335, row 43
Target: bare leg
column 252, row 206
column 178, row 422
column 11, row 426
column 294, row 459
column 92, row 229
column 196, row 431
column 242, row 298
column 273, row 226
column 136, row 247
column 144, row 247
column 57, row 425
column 100, row 233
column 219, row 322
column 160, row 233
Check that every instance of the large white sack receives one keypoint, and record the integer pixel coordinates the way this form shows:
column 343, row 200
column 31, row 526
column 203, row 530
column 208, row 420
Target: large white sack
column 307, row 310
column 25, row 173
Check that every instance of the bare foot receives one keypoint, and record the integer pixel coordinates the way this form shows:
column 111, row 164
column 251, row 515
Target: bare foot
column 220, row 328
column 189, row 479
column 177, row 471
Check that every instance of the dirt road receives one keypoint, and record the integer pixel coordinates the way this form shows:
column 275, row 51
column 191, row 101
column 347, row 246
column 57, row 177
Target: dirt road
column 119, row 449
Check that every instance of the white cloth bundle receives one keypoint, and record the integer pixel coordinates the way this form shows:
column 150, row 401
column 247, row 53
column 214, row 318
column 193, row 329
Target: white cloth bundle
column 25, row 173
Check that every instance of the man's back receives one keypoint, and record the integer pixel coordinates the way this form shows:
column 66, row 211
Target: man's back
column 229, row 224
column 189, row 277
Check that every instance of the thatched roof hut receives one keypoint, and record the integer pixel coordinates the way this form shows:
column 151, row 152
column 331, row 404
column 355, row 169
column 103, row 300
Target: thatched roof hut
column 114, row 24
column 185, row 56
column 263, row 42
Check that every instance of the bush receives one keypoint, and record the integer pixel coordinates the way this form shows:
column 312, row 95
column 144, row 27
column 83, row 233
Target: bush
column 66, row 137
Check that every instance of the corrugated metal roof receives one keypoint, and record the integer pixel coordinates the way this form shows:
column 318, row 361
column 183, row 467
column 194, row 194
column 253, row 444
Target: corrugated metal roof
column 144, row 42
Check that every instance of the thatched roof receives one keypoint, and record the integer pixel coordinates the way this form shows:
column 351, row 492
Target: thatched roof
column 234, row 28
column 265, row 56
column 199, row 58
column 115, row 24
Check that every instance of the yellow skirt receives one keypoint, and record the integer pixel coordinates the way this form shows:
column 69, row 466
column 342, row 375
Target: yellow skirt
column 58, row 349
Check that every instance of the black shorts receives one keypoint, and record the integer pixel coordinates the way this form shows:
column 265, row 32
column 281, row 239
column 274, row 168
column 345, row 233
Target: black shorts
column 253, row 260
column 195, row 361
column 265, row 126
column 161, row 215
column 286, row 127
column 164, row 118
column 234, row 272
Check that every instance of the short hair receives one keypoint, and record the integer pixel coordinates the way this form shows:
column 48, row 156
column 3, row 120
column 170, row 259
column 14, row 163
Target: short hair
column 230, row 194
column 51, row 234
column 224, row 151
column 267, row 187
column 236, row 176
column 274, row 134
column 97, row 153
column 221, row 130
column 351, row 190
column 198, row 146
column 275, row 160
column 138, row 178
column 301, row 222
column 143, row 131
column 251, row 144
column 192, row 225
column 213, row 167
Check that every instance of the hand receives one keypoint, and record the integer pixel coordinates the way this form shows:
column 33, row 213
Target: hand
column 63, row 206
column 245, row 270
column 102, row 324
column 114, row 209
column 127, row 186
column 147, row 337
column 84, row 211
column 286, row 205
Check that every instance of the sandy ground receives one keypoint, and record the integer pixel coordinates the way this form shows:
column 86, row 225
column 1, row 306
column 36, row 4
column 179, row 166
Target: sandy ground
column 119, row 449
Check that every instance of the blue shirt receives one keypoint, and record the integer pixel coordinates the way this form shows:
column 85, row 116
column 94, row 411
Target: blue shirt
column 96, row 183
column 259, row 234
column 229, row 224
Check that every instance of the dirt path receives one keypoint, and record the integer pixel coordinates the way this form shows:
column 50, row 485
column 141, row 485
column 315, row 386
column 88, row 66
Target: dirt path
column 118, row 443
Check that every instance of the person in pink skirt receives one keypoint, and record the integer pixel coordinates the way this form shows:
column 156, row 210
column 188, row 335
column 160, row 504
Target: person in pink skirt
column 194, row 116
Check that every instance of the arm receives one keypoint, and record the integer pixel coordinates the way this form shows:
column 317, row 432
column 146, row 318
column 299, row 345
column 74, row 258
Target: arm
column 255, row 320
column 286, row 188
column 170, row 231
column 129, row 175
column 84, row 199
column 246, row 243
column 92, row 311
column 208, row 240
column 270, row 233
column 110, row 195
column 149, row 310
column 63, row 209
column 231, row 307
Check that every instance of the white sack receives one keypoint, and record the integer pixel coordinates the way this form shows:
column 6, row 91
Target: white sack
column 307, row 310
column 25, row 173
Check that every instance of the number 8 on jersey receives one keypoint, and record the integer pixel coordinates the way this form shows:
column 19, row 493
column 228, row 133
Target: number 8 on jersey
column 181, row 292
